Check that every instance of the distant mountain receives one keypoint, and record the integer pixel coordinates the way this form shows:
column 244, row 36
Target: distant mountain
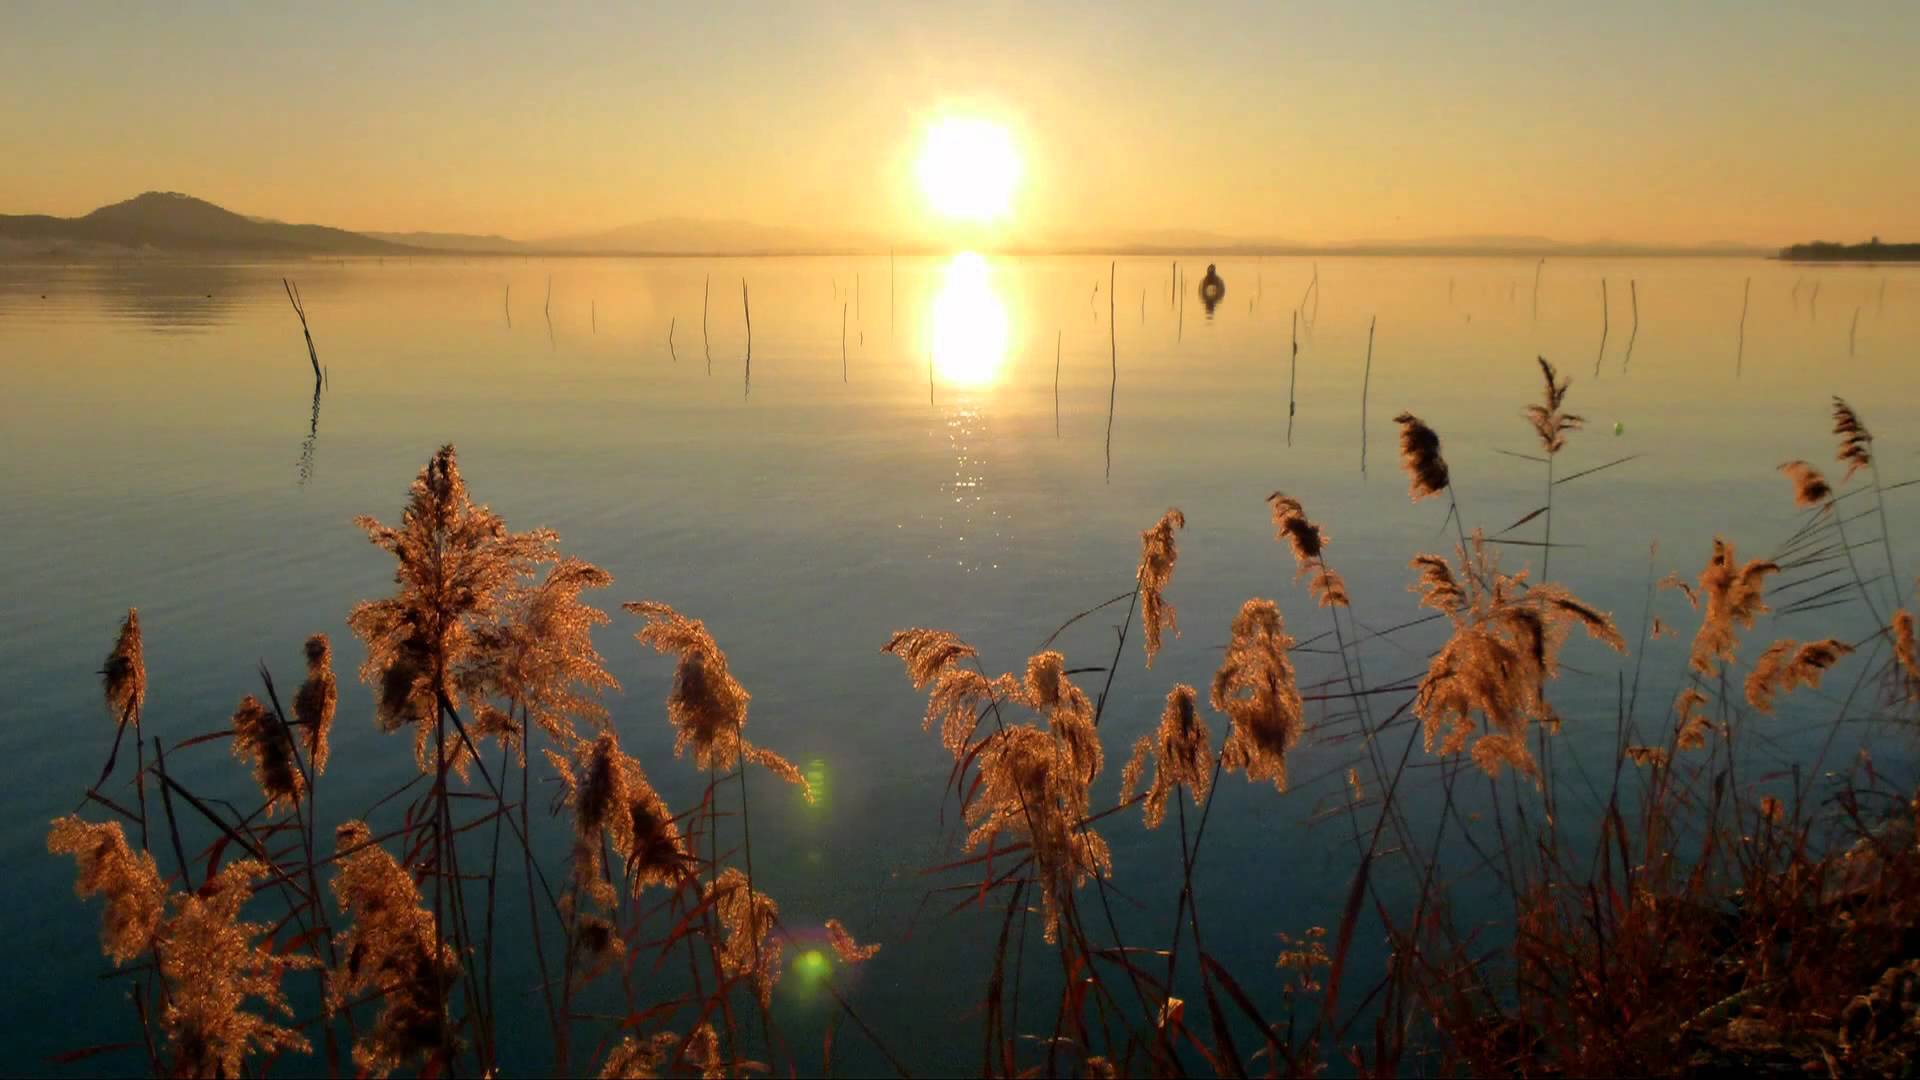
column 438, row 241
column 171, row 222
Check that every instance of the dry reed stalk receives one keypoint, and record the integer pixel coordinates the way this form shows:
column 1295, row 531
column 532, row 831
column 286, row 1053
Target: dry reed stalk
column 1113, row 347
column 1740, row 351
column 1366, row 384
column 1604, row 327
column 300, row 309
column 1293, row 374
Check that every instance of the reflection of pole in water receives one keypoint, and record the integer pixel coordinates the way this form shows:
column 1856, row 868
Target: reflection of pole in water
column 311, row 443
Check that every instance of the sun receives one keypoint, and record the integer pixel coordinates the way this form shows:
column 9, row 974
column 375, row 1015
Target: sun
column 968, row 169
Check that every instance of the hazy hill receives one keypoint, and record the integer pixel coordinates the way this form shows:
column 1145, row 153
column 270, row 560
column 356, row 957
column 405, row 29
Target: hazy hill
column 694, row 236
column 169, row 221
column 440, row 241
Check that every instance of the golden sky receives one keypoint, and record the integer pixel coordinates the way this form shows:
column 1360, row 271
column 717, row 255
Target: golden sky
column 1699, row 122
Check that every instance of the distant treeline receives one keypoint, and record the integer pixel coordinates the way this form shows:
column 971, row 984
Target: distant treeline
column 1871, row 251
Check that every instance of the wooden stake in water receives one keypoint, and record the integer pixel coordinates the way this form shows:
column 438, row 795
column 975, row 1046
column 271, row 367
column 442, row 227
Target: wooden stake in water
column 1056, row 382
column 1537, row 267
column 670, row 325
column 843, row 341
column 1740, row 353
column 1366, row 380
column 746, row 308
column 1851, row 328
column 1113, row 345
column 506, row 304
column 706, row 343
column 1293, row 371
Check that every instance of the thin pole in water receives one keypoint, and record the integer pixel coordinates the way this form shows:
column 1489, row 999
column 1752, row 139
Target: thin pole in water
column 1603, row 328
column 1293, row 373
column 1366, row 380
column 1740, row 354
column 890, row 292
column 1056, row 384
column 705, row 288
column 746, row 308
column 1537, row 267
column 1633, row 293
column 843, row 341
column 1855, row 325
column 506, row 304
column 670, row 325
column 1113, row 345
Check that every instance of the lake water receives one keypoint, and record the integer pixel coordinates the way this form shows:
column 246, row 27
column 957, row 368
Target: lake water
column 161, row 448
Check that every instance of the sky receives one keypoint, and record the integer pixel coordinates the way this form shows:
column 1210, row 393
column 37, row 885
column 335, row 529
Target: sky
column 1701, row 122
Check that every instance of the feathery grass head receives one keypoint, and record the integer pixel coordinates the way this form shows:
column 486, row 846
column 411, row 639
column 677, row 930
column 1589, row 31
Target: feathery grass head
column 1182, row 753
column 314, row 705
column 389, row 950
column 610, row 795
column 1906, row 652
column 538, row 652
column 258, row 735
column 1549, row 423
column 596, row 946
column 1031, row 787
column 128, row 879
column 1157, row 557
column 1691, row 724
column 1856, row 442
column 1505, row 646
column 1256, row 689
column 213, row 963
column 1809, row 487
column 1309, row 543
column 1420, row 456
column 1783, row 667
column 1069, row 713
column 123, row 675
column 848, row 950
column 748, row 949
column 960, row 695
column 1733, row 598
column 706, row 706
column 455, row 566
column 926, row 652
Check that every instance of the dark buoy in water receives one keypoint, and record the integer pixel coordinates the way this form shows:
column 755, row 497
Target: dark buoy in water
column 1212, row 290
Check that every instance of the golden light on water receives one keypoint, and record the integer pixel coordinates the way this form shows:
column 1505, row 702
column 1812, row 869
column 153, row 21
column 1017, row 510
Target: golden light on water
column 968, row 169
column 969, row 324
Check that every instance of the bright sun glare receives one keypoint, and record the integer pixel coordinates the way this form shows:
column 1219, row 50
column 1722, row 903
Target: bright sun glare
column 969, row 324
column 968, row 168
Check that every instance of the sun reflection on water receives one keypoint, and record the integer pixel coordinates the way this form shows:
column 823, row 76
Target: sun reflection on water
column 969, row 332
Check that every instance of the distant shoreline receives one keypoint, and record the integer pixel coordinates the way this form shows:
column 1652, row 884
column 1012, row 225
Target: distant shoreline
column 1871, row 252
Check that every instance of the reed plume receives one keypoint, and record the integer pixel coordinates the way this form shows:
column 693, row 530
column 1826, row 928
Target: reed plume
column 128, row 879
column 123, row 675
column 1309, row 543
column 1255, row 688
column 213, row 964
column 1733, row 597
column 1856, row 442
column 1157, row 557
column 1783, row 667
column 390, row 950
column 314, row 705
column 707, row 708
column 848, row 950
column 1549, row 423
column 455, row 564
column 1182, row 753
column 596, row 948
column 1905, row 652
column 1420, row 456
column 748, row 917
column 927, row 652
column 611, row 796
column 537, row 653
column 1507, row 635
column 1031, row 788
column 259, row 736
column 959, row 695
column 1069, row 713
column 1809, row 487
column 642, row 1059
column 1691, row 724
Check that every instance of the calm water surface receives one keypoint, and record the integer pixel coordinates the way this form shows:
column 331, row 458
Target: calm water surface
column 161, row 447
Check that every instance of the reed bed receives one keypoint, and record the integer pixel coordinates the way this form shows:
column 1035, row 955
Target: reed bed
column 1713, row 917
